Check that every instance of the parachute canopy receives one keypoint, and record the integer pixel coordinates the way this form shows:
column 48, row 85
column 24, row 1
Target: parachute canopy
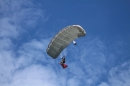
column 63, row 39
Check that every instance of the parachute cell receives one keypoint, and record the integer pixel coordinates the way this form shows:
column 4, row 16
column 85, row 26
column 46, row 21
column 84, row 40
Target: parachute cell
column 63, row 39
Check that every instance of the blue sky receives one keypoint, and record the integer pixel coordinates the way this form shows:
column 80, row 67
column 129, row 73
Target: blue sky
column 101, row 58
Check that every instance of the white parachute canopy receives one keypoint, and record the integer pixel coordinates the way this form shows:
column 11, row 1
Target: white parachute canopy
column 63, row 39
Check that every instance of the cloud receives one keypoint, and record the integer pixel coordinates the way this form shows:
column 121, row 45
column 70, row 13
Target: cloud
column 33, row 52
column 20, row 15
column 35, row 75
column 5, row 44
column 119, row 75
column 103, row 84
column 73, row 82
column 7, row 29
column 24, row 65
column 7, row 67
column 30, row 67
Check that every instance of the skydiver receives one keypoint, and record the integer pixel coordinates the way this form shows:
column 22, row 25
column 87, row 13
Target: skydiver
column 63, row 62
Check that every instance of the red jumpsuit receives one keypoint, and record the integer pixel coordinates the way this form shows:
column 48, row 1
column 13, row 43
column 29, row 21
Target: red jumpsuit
column 64, row 65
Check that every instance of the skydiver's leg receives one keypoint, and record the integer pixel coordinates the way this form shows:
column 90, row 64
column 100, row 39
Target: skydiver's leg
column 64, row 65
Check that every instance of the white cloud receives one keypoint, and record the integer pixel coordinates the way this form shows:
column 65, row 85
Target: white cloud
column 32, row 52
column 35, row 75
column 119, row 75
column 7, row 29
column 5, row 44
column 73, row 82
column 23, row 69
column 7, row 66
column 103, row 84
column 20, row 67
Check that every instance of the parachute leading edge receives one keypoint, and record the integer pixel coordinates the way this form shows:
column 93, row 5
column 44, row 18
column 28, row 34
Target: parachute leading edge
column 63, row 39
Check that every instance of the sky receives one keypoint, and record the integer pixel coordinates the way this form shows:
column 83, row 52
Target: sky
column 101, row 58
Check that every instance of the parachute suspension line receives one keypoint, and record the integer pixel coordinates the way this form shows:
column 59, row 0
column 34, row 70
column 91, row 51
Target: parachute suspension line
column 77, row 46
column 63, row 53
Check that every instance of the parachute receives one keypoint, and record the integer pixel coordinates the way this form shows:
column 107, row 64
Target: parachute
column 63, row 39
